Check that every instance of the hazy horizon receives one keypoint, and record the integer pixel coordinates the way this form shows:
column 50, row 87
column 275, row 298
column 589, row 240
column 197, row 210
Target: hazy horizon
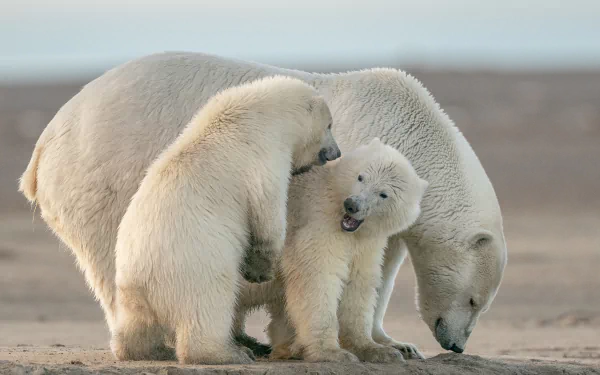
column 62, row 39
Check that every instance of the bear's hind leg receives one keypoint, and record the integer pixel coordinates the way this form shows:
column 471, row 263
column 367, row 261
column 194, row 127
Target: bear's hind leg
column 394, row 257
column 204, row 322
column 250, row 297
column 137, row 335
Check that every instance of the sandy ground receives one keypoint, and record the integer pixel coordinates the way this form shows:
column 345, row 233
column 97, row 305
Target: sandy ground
column 63, row 360
column 538, row 136
column 547, row 309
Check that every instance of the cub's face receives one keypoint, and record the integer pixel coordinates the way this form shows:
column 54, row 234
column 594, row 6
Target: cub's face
column 386, row 192
column 320, row 146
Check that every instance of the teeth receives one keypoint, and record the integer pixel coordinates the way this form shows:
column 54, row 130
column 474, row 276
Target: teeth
column 349, row 223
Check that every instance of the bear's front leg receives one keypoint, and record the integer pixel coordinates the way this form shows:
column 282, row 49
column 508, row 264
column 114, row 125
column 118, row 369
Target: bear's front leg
column 280, row 331
column 267, row 209
column 395, row 253
column 312, row 301
column 357, row 308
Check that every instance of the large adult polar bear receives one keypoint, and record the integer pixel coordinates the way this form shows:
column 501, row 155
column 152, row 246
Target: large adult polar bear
column 89, row 160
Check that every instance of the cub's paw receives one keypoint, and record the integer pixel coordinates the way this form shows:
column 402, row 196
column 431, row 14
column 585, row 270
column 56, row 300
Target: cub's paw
column 331, row 355
column 258, row 349
column 248, row 352
column 163, row 353
column 257, row 266
column 379, row 354
column 234, row 355
column 409, row 351
column 281, row 352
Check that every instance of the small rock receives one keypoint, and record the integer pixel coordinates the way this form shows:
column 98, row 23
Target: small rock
column 40, row 371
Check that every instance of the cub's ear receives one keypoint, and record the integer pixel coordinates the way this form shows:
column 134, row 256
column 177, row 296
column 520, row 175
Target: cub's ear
column 424, row 185
column 374, row 142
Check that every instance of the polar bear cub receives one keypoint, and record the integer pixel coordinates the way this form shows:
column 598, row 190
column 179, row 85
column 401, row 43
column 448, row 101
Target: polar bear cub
column 216, row 196
column 339, row 219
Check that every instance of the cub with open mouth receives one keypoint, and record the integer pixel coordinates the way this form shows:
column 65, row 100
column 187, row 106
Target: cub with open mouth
column 325, row 289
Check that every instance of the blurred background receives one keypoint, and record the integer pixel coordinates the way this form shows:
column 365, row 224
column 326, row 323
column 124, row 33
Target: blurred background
column 521, row 79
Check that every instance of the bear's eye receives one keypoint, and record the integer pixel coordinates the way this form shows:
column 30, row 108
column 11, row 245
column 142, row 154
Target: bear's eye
column 329, row 127
column 360, row 178
column 383, row 195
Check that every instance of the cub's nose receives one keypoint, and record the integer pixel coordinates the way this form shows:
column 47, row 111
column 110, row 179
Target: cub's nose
column 351, row 205
column 329, row 154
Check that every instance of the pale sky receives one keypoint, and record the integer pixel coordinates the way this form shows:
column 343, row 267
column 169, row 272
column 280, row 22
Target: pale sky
column 65, row 37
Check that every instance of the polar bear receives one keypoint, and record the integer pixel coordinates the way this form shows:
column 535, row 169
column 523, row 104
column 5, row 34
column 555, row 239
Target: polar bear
column 91, row 157
column 339, row 219
column 220, row 188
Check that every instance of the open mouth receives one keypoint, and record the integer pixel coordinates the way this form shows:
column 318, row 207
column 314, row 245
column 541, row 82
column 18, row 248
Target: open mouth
column 350, row 224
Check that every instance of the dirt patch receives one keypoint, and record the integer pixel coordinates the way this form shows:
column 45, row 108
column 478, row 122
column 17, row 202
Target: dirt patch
column 7, row 255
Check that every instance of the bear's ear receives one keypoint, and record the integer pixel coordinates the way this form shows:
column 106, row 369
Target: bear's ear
column 315, row 104
column 480, row 239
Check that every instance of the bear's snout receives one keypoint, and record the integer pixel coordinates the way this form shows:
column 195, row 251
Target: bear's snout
column 329, row 154
column 351, row 205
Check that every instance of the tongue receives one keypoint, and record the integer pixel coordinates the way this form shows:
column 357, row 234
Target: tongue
column 350, row 222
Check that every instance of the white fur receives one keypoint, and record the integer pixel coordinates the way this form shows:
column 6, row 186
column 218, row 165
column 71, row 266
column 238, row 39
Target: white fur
column 91, row 157
column 330, row 276
column 181, row 241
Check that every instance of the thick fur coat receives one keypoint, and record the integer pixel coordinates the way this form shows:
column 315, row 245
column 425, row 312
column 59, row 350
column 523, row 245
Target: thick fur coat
column 88, row 163
column 218, row 190
column 339, row 219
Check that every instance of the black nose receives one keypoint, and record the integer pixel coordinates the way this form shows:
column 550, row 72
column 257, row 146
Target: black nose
column 456, row 349
column 330, row 154
column 351, row 206
column 323, row 156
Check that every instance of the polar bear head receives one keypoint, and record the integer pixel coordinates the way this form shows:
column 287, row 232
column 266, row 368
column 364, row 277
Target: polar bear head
column 295, row 108
column 298, row 106
column 458, row 250
column 459, row 283
column 319, row 147
column 381, row 191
